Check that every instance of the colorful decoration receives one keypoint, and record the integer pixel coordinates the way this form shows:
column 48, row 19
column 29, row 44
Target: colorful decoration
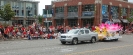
column 110, row 27
column 107, row 30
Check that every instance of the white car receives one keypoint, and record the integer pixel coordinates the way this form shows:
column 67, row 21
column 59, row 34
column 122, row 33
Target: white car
column 78, row 35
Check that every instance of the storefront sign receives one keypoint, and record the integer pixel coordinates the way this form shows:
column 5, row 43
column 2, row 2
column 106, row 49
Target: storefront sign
column 87, row 13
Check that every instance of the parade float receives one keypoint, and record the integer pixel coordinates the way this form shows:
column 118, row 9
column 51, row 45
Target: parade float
column 108, row 31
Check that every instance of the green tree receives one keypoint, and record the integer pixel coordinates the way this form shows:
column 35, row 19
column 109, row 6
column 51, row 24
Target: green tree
column 130, row 19
column 7, row 13
column 40, row 19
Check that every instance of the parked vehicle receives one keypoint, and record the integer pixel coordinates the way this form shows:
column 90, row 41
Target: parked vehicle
column 78, row 35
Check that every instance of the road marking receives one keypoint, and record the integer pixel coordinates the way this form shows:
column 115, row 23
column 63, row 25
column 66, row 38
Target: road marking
column 100, row 50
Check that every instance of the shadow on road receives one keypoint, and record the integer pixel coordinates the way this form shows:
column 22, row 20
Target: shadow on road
column 83, row 43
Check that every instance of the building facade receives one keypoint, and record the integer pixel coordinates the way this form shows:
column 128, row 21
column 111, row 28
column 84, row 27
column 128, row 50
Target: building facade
column 93, row 12
column 48, row 14
column 25, row 10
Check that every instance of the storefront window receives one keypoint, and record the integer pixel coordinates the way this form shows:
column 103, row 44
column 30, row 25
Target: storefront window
column 124, row 11
column 88, row 10
column 72, row 9
column 59, row 21
column 88, row 21
column 72, row 22
column 114, row 11
column 105, row 11
column 59, row 9
column 131, row 12
column 90, row 7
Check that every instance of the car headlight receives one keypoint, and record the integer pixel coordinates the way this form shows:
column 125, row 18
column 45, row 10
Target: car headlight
column 68, row 36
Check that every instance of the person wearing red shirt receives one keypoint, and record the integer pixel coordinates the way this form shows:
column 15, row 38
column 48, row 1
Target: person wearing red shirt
column 24, row 34
column 6, row 33
column 93, row 28
column 22, row 28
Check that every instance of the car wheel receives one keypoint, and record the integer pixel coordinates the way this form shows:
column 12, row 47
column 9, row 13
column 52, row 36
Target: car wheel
column 63, row 42
column 75, row 41
column 93, row 40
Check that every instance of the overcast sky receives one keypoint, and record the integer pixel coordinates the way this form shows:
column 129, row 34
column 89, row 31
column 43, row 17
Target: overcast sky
column 48, row 2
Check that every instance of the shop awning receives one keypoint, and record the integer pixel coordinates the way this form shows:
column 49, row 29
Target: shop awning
column 116, row 20
column 125, row 20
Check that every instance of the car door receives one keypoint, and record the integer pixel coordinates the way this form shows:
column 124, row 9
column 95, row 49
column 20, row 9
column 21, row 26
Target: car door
column 87, row 35
column 81, row 35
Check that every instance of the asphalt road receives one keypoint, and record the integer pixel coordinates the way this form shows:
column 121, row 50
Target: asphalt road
column 53, row 47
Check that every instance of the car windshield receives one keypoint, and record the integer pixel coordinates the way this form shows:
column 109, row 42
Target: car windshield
column 74, row 31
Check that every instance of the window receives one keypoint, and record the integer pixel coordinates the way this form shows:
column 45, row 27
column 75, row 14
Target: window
column 124, row 11
column 90, row 7
column 131, row 12
column 72, row 9
column 17, row 12
column 72, row 22
column 82, row 31
column 29, row 13
column 114, row 11
column 88, row 21
column 73, row 31
column 86, row 31
column 59, row 21
column 22, row 12
column 104, row 9
column 59, row 9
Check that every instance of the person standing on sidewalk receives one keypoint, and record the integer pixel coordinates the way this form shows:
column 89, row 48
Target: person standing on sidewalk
column 28, row 35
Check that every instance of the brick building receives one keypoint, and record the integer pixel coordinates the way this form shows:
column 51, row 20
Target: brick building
column 93, row 12
column 47, row 13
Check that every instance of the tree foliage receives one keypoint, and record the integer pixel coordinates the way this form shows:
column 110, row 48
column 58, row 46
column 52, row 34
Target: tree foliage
column 130, row 19
column 7, row 13
column 40, row 18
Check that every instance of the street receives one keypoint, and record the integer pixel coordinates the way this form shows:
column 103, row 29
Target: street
column 53, row 47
